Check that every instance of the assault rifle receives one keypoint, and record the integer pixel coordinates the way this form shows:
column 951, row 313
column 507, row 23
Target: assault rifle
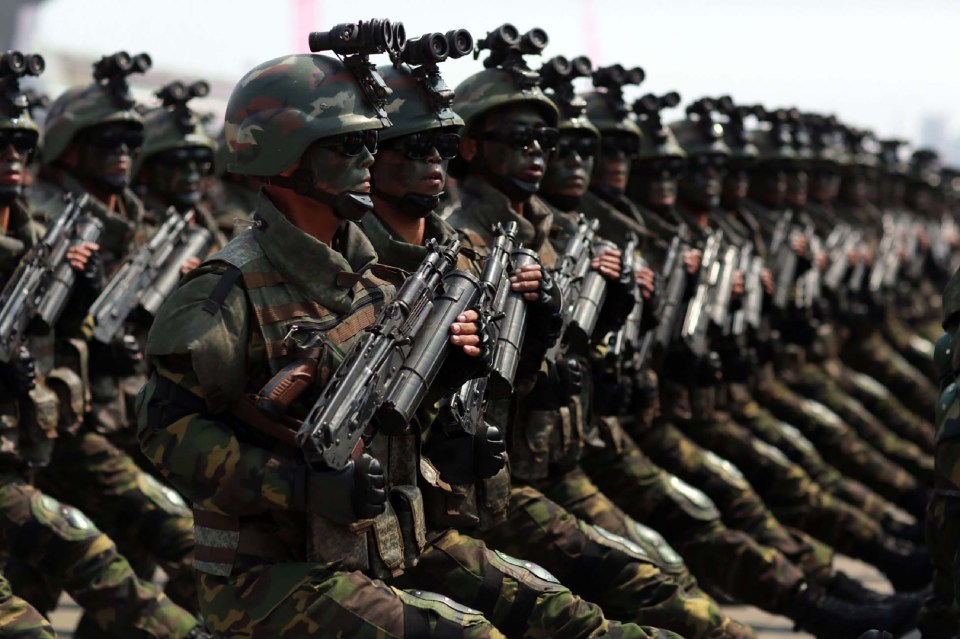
column 570, row 279
column 695, row 322
column 148, row 275
column 675, row 274
column 332, row 434
column 459, row 292
column 41, row 284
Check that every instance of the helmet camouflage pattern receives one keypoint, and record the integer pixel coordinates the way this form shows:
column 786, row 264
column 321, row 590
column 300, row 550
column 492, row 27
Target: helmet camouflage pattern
column 657, row 141
column 282, row 106
column 77, row 109
column 410, row 107
column 162, row 132
column 494, row 88
column 602, row 114
column 700, row 137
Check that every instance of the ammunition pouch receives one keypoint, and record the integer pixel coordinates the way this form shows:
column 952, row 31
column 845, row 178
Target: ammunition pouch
column 39, row 412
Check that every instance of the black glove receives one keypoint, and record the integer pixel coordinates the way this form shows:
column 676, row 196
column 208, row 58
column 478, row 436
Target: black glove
column 343, row 496
column 462, row 458
column 93, row 271
column 544, row 316
column 19, row 375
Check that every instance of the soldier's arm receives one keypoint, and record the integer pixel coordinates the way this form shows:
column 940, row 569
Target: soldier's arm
column 201, row 366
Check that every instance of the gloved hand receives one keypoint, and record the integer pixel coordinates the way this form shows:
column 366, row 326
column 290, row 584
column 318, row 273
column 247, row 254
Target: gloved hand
column 343, row 496
column 19, row 375
column 463, row 459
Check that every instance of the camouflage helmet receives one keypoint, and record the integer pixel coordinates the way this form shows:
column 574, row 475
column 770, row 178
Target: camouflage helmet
column 700, row 133
column 862, row 149
column 657, row 140
column 773, row 139
column 894, row 157
column 280, row 107
column 557, row 76
column 16, row 104
column 925, row 167
column 104, row 101
column 495, row 88
column 410, row 107
column 174, row 125
column 608, row 118
column 826, row 139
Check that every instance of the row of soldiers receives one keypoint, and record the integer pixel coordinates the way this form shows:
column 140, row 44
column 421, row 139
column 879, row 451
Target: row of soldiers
column 607, row 369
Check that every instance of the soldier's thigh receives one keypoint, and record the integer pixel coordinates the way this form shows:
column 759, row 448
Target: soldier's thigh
column 304, row 600
column 18, row 619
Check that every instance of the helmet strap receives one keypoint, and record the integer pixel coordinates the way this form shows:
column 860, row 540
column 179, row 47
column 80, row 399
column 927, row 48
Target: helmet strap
column 348, row 205
column 516, row 190
column 413, row 205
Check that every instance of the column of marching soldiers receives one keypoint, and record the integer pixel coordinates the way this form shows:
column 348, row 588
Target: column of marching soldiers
column 618, row 364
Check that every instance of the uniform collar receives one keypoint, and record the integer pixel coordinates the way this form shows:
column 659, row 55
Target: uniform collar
column 393, row 250
column 327, row 273
column 488, row 207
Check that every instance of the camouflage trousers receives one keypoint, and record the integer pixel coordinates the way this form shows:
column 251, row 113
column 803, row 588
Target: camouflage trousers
column 18, row 619
column 148, row 520
column 630, row 577
column 813, row 382
column 841, row 447
column 939, row 617
column 740, row 507
column 791, row 442
column 878, row 399
column 512, row 598
column 789, row 492
column 911, row 345
column 872, row 355
column 52, row 547
column 761, row 575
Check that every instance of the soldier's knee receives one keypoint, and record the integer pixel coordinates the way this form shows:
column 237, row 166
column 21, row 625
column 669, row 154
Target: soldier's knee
column 433, row 616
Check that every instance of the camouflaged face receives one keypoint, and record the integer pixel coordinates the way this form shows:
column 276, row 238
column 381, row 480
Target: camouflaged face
column 162, row 133
column 603, row 117
column 77, row 109
column 495, row 88
column 283, row 105
column 410, row 108
column 698, row 138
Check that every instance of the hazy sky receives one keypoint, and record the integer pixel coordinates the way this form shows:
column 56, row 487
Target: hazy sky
column 877, row 63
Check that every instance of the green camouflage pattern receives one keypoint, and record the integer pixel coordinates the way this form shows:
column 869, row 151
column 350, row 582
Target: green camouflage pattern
column 869, row 353
column 280, row 107
column 409, row 107
column 657, row 141
column 52, row 546
column 614, row 572
column 494, row 88
column 20, row 620
column 77, row 109
column 605, row 120
column 813, row 382
column 914, row 348
column 162, row 132
column 149, row 521
column 697, row 137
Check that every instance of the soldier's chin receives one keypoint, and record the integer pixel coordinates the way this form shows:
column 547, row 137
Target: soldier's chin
column 113, row 183
column 9, row 193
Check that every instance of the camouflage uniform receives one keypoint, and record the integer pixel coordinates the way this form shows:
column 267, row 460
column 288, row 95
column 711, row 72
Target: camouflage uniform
column 51, row 546
column 940, row 614
column 149, row 522
column 18, row 619
column 269, row 580
column 627, row 575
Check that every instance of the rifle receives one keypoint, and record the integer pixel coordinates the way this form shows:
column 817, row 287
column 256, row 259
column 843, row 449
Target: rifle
column 573, row 268
column 196, row 243
column 785, row 260
column 459, row 291
column 695, row 322
column 748, row 315
column 628, row 335
column 513, row 326
column 810, row 281
column 41, row 283
column 719, row 309
column 150, row 265
column 675, row 272
column 332, row 433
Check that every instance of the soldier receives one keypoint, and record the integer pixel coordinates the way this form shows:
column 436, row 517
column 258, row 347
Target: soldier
column 177, row 156
column 230, row 197
column 406, row 180
column 50, row 546
column 90, row 137
column 284, row 548
column 18, row 619
column 940, row 614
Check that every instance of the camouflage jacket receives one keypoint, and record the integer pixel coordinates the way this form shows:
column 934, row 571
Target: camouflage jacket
column 614, row 225
column 122, row 228
column 393, row 251
column 214, row 347
column 229, row 202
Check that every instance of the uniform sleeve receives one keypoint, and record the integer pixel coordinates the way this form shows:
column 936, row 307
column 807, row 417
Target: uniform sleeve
column 194, row 446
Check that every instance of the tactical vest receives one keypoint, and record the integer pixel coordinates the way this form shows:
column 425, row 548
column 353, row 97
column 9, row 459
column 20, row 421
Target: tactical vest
column 380, row 547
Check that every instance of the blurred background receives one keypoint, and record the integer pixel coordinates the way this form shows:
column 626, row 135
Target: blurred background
column 889, row 65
